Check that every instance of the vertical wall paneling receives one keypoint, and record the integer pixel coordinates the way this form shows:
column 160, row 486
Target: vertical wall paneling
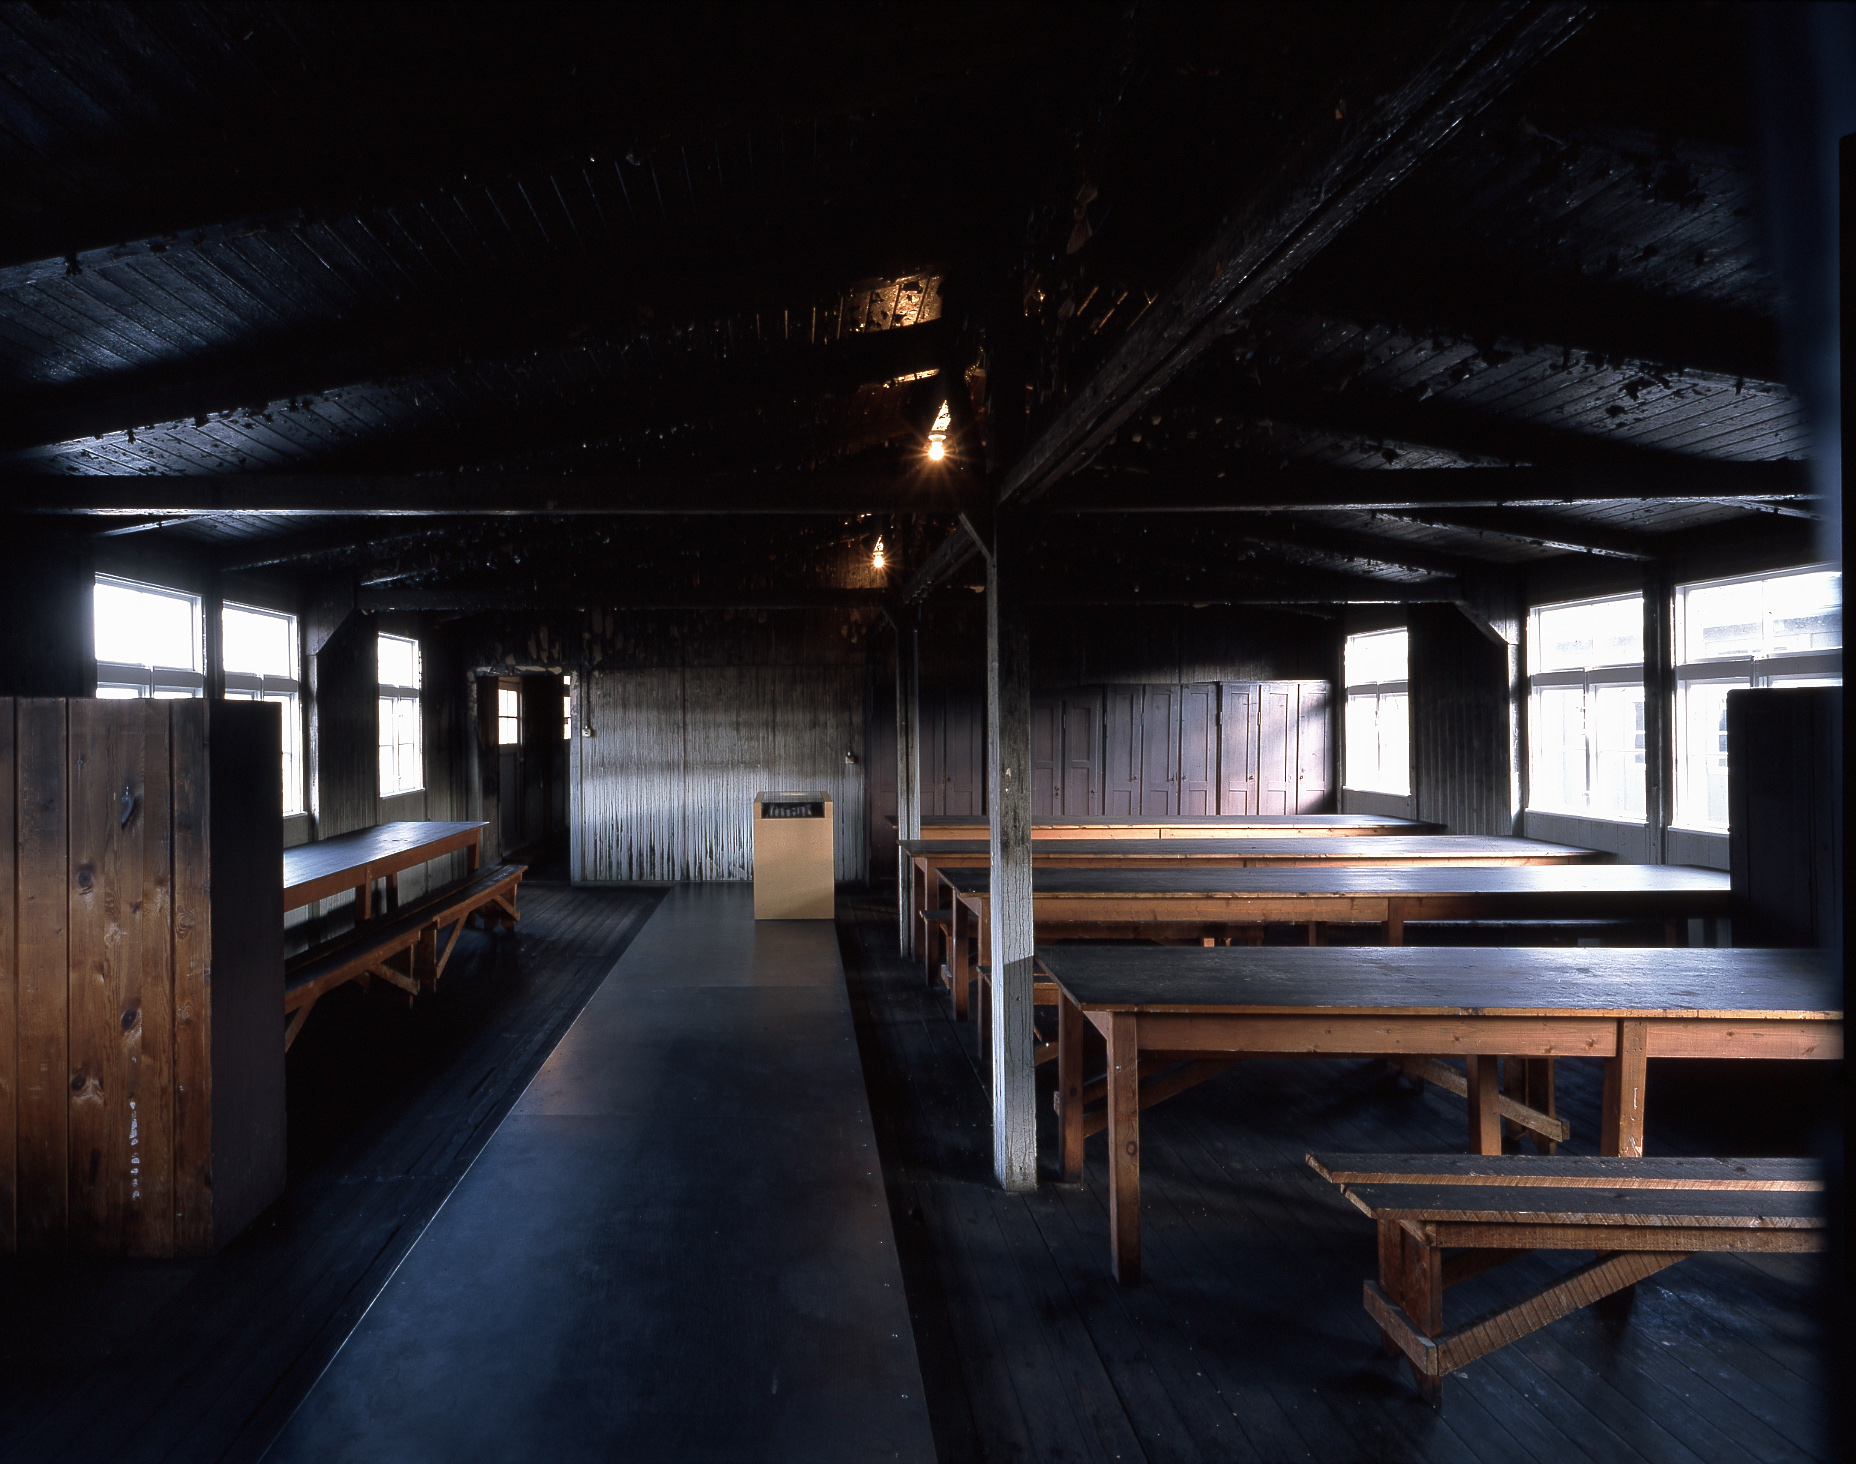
column 1082, row 755
column 1046, row 755
column 1159, row 751
column 1314, row 764
column 1121, row 751
column 1460, row 723
column 1198, row 749
column 1276, row 747
column 1239, row 788
column 9, row 976
column 42, row 992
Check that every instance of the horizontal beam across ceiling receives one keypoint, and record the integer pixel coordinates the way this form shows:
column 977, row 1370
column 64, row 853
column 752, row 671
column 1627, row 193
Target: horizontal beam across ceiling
column 511, row 495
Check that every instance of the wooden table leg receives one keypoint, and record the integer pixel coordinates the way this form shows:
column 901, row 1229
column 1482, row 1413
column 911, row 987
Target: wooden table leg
column 392, row 883
column 1622, row 1120
column 1424, row 1301
column 1124, row 1146
column 1312, row 936
column 364, row 899
column 473, row 853
column 1485, row 1113
column 958, row 954
column 1540, row 1094
column 1395, row 923
column 1070, row 1085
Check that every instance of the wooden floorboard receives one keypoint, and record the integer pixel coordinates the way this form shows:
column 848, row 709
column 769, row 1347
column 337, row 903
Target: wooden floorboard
column 206, row 1360
column 1246, row 1339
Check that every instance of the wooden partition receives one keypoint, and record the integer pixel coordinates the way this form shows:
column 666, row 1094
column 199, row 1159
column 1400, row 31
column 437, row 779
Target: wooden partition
column 141, row 973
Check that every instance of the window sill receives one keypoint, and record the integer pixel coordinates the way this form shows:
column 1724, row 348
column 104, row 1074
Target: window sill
column 1622, row 823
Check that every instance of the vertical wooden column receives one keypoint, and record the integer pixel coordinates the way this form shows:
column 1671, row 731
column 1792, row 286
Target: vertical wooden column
column 908, row 766
column 1659, row 691
column 1008, row 744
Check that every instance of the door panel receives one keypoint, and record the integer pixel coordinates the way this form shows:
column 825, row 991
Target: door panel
column 963, row 769
column 1121, row 752
column 1314, row 786
column 1081, row 789
column 1159, row 751
column 1046, row 754
column 1237, row 747
column 1276, row 760
column 1198, row 748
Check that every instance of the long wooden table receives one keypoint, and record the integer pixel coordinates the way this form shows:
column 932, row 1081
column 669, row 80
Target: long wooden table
column 927, row 857
column 354, row 861
column 1211, row 904
column 1624, row 1006
column 1186, row 826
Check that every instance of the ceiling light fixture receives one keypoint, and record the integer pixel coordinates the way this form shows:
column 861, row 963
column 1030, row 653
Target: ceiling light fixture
column 876, row 559
column 937, row 434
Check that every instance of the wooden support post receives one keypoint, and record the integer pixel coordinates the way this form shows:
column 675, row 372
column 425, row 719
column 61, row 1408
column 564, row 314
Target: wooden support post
column 1623, row 1105
column 1070, row 1085
column 908, row 768
column 1485, row 1114
column 1124, row 1146
column 1008, row 740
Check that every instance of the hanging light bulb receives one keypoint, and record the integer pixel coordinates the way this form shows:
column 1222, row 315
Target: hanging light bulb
column 876, row 559
column 937, row 434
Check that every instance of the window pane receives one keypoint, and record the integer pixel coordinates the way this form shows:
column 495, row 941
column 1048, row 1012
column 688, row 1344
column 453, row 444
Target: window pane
column 567, row 715
column 1556, row 733
column 1591, row 633
column 1617, row 753
column 1805, row 612
column 1362, row 741
column 399, row 661
column 259, row 642
column 1724, row 620
column 118, row 693
column 1395, row 744
column 139, row 626
column 1701, row 786
column 1379, row 656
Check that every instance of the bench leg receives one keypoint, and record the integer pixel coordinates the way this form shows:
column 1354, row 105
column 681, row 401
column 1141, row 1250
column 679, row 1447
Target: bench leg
column 295, row 1022
column 1124, row 1147
column 1070, row 1025
column 425, row 958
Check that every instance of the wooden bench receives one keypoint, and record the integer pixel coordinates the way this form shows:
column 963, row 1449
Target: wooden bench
column 1640, row 1215
column 403, row 949
column 934, row 929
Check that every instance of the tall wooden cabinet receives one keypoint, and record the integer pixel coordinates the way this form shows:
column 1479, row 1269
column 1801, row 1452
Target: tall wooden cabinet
column 141, row 973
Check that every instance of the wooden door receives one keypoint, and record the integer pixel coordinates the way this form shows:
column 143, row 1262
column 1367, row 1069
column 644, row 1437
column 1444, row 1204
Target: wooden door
column 1276, row 747
column 1314, row 777
column 1159, row 751
column 1081, row 789
column 1198, row 748
column 1121, row 752
column 962, row 749
column 1046, row 754
column 1237, row 747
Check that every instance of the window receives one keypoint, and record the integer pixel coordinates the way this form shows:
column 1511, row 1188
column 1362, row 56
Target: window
column 1585, row 727
column 148, row 641
column 402, row 768
column 259, row 648
column 1779, row 630
column 567, row 711
column 1378, row 716
column 508, row 716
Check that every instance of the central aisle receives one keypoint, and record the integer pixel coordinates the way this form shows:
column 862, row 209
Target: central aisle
column 676, row 1247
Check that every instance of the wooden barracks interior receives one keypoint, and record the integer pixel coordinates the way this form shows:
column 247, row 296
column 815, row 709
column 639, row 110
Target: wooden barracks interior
column 1044, row 732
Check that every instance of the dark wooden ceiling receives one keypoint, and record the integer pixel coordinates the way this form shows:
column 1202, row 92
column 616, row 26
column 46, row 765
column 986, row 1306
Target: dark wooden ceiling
column 729, row 258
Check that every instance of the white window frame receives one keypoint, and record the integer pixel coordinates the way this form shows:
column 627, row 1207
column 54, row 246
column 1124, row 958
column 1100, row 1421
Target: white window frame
column 1590, row 681
column 283, row 690
column 508, row 696
column 117, row 680
column 397, row 701
column 1794, row 668
column 1377, row 693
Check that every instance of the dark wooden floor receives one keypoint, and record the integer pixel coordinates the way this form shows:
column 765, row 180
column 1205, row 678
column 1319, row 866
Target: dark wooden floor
column 206, row 1360
column 1247, row 1339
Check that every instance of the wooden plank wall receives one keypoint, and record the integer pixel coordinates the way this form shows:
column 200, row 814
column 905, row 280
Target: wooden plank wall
column 106, row 995
column 1460, row 736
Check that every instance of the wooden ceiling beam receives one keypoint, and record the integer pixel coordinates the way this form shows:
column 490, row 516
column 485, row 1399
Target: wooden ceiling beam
column 1540, row 529
column 1325, row 184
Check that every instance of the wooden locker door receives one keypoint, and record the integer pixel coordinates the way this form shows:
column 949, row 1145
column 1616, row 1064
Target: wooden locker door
column 1081, row 791
column 1159, row 751
column 1314, row 782
column 964, row 771
column 1046, row 754
column 1198, row 748
column 1237, row 747
column 1276, row 761
column 933, row 751
column 1121, row 752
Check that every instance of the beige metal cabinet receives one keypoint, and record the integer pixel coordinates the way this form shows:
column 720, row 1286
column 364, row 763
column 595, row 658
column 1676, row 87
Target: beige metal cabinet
column 793, row 857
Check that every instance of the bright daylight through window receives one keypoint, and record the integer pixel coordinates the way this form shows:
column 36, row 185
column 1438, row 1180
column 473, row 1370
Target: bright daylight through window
column 508, row 717
column 402, row 768
column 1779, row 630
column 1378, row 726
column 1585, row 719
column 261, row 665
column 148, row 641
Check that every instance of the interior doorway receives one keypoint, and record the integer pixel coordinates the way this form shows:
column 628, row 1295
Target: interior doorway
column 524, row 736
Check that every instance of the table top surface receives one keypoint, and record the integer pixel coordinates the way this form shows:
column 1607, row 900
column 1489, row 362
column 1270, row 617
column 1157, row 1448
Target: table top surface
column 1200, row 821
column 319, row 860
column 1393, row 846
column 1449, row 981
column 1568, row 879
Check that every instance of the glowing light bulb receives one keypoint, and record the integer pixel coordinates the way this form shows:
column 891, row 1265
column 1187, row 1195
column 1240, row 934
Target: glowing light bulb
column 937, row 449
column 937, row 434
column 876, row 559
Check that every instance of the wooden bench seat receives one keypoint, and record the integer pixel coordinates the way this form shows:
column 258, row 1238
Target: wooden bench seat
column 1639, row 1215
column 402, row 950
